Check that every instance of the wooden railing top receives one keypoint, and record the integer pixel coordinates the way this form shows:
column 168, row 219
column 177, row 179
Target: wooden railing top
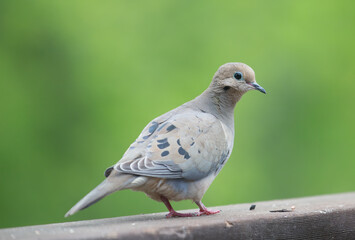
column 319, row 217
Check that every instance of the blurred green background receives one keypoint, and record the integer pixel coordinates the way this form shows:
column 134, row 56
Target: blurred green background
column 80, row 79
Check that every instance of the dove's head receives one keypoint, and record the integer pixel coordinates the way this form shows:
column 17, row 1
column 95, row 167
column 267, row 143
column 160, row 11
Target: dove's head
column 235, row 76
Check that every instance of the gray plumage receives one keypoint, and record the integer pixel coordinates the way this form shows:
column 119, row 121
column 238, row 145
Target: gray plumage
column 178, row 155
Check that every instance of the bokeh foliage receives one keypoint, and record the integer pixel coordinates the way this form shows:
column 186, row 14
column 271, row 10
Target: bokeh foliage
column 80, row 79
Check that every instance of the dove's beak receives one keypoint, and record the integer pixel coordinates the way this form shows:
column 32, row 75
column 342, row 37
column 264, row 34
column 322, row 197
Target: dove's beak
column 258, row 87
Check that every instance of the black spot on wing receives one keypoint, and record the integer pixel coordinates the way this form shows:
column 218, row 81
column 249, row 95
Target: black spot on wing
column 108, row 171
column 165, row 153
column 170, row 128
column 161, row 127
column 184, row 153
column 181, row 151
column 151, row 130
column 192, row 143
column 153, row 127
column 163, row 145
column 178, row 142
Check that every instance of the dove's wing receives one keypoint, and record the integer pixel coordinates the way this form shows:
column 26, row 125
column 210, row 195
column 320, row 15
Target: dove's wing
column 189, row 145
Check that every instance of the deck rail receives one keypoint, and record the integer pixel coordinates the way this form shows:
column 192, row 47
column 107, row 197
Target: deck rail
column 318, row 217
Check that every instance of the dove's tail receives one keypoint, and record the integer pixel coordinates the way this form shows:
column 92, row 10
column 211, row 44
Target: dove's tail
column 108, row 186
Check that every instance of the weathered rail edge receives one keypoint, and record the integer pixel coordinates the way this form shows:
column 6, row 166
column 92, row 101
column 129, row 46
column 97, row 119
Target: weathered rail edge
column 319, row 217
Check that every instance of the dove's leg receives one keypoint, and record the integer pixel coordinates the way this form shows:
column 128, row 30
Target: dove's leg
column 173, row 213
column 204, row 210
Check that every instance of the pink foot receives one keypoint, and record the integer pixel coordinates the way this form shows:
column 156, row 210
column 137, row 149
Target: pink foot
column 204, row 210
column 173, row 213
column 208, row 212
column 195, row 214
column 177, row 214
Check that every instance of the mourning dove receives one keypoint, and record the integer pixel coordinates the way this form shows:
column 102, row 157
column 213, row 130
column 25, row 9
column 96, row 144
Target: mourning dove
column 179, row 154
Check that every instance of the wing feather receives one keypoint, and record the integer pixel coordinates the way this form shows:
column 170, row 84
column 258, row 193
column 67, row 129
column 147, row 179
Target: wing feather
column 188, row 146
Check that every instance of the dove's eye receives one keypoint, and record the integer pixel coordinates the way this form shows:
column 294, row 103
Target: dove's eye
column 238, row 75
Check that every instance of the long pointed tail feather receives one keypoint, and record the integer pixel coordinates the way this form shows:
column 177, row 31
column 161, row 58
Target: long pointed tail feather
column 108, row 186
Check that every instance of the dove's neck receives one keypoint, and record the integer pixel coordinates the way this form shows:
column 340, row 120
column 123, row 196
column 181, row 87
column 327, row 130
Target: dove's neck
column 219, row 103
